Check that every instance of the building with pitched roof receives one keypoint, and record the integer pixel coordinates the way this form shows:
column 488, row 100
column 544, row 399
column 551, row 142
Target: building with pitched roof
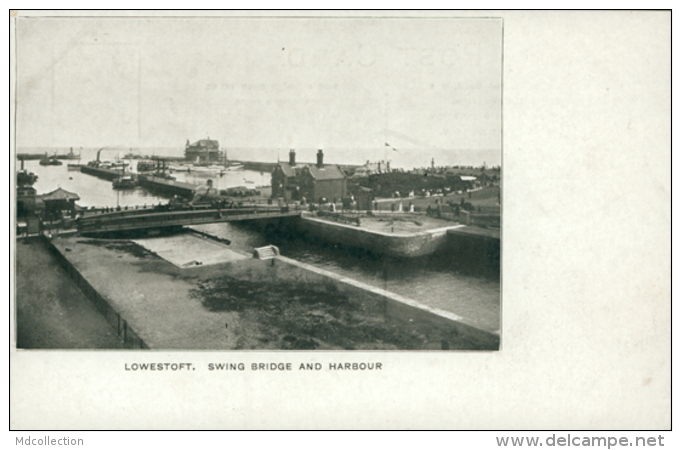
column 203, row 151
column 369, row 169
column 28, row 203
column 314, row 182
column 59, row 204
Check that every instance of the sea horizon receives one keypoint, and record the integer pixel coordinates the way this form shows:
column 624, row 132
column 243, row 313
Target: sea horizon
column 406, row 158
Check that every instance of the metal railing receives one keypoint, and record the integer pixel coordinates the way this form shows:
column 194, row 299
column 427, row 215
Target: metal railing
column 158, row 219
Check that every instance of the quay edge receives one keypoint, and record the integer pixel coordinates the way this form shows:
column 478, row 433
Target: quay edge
column 398, row 245
column 480, row 246
column 183, row 327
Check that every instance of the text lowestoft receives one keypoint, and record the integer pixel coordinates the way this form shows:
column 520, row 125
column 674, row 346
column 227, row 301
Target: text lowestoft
column 159, row 366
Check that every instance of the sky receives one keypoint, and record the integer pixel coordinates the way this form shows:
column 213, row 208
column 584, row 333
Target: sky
column 427, row 87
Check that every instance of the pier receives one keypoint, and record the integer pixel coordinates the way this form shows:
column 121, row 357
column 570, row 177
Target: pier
column 150, row 182
column 99, row 172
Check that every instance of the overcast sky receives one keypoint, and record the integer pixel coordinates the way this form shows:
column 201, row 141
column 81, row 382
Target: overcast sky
column 305, row 83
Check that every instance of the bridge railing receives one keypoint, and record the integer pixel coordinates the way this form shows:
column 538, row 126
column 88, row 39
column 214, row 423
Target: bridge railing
column 106, row 222
column 158, row 208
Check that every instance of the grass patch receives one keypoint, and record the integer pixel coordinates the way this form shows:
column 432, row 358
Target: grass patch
column 121, row 246
column 301, row 316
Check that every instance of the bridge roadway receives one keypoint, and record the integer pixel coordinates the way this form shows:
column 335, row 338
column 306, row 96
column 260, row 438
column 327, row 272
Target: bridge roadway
column 154, row 219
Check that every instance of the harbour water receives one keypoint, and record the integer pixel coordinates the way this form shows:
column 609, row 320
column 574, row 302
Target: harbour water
column 97, row 192
column 441, row 280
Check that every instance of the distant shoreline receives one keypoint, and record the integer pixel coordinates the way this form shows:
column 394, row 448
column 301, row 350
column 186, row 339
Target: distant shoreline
column 406, row 158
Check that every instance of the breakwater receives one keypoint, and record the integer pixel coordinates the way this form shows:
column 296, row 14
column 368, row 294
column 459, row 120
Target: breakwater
column 38, row 156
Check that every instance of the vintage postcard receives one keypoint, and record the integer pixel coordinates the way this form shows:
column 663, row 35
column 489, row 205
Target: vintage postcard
column 318, row 201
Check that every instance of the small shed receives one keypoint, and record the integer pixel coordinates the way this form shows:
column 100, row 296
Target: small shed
column 59, row 204
column 365, row 197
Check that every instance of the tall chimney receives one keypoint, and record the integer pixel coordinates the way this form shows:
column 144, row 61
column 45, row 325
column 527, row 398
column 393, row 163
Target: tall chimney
column 292, row 157
column 320, row 159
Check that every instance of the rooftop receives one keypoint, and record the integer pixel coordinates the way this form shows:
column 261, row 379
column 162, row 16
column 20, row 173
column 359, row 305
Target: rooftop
column 60, row 194
column 204, row 144
column 326, row 172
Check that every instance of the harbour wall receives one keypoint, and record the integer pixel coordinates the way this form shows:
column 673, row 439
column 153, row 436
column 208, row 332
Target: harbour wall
column 477, row 249
column 442, row 329
column 454, row 331
column 398, row 245
column 473, row 247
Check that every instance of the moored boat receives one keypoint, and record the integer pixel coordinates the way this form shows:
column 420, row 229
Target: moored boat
column 211, row 168
column 50, row 161
column 124, row 182
column 180, row 167
column 146, row 166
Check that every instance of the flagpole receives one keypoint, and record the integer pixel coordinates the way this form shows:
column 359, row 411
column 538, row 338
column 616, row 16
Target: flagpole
column 385, row 131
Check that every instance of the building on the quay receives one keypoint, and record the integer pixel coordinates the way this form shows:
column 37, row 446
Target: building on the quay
column 204, row 151
column 364, row 197
column 28, row 203
column 59, row 204
column 314, row 182
column 369, row 169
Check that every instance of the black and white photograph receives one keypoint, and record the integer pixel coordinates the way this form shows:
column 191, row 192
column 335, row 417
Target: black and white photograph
column 340, row 220
column 258, row 183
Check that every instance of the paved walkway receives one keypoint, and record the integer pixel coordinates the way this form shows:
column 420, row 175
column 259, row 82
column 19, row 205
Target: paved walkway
column 189, row 250
column 51, row 311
